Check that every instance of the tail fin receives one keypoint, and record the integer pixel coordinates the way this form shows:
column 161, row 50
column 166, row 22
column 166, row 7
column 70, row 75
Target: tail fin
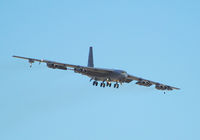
column 90, row 58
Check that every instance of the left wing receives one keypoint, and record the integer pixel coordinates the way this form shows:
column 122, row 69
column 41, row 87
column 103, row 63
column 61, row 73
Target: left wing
column 64, row 66
column 148, row 83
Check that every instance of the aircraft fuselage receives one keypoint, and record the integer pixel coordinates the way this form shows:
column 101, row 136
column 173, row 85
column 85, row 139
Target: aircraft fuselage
column 113, row 76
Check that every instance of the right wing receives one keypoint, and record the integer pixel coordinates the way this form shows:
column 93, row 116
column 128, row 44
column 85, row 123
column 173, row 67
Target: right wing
column 148, row 83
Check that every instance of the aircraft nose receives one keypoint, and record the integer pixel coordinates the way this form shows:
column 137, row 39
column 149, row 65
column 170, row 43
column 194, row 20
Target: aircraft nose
column 126, row 75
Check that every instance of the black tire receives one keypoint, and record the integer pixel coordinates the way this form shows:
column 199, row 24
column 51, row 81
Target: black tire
column 107, row 84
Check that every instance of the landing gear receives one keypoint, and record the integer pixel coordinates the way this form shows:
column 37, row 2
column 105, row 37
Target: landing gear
column 31, row 62
column 108, row 84
column 116, row 85
column 95, row 83
column 103, row 85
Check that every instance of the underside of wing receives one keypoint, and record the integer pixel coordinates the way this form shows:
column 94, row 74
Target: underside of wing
column 49, row 63
column 148, row 83
column 64, row 66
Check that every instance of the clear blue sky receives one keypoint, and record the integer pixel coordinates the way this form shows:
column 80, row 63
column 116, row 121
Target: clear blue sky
column 157, row 40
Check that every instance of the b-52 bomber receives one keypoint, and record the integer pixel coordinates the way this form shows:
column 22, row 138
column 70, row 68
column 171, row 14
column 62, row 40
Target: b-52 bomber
column 105, row 76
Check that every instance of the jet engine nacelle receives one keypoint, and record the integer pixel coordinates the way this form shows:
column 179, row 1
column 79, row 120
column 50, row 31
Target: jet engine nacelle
column 54, row 66
column 144, row 83
column 163, row 87
column 51, row 65
column 160, row 87
column 79, row 70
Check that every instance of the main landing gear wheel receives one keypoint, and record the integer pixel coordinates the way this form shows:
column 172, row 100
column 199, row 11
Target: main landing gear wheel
column 103, row 85
column 116, row 85
column 95, row 83
column 108, row 84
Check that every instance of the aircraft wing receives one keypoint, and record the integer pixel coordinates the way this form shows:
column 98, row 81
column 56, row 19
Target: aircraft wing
column 148, row 83
column 64, row 66
column 80, row 69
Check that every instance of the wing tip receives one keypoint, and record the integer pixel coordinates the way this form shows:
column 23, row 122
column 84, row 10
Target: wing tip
column 177, row 88
column 16, row 56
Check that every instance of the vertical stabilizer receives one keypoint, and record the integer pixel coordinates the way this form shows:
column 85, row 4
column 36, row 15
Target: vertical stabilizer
column 90, row 58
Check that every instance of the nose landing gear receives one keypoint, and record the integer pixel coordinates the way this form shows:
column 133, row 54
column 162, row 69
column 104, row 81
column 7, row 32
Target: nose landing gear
column 108, row 84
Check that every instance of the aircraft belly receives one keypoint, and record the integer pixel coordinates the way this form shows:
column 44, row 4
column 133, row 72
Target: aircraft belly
column 103, row 76
column 97, row 74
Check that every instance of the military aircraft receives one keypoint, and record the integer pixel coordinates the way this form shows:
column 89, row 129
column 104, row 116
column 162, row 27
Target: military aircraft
column 105, row 76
